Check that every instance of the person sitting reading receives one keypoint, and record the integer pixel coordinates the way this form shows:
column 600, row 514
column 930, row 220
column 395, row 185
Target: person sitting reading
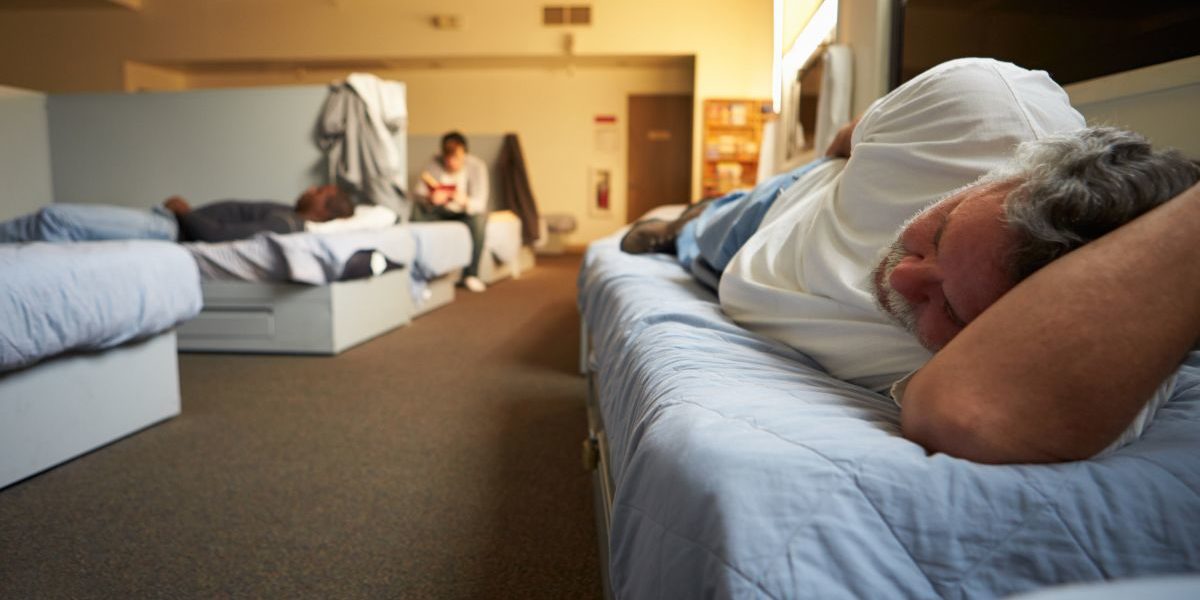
column 176, row 219
column 454, row 186
column 1030, row 309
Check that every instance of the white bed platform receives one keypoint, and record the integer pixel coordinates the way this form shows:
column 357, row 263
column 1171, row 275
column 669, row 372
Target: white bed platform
column 67, row 406
column 503, row 254
column 286, row 318
column 491, row 270
column 440, row 293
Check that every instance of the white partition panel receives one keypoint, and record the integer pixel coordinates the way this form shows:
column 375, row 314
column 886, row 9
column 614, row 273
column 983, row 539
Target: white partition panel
column 1159, row 102
column 137, row 149
column 24, row 153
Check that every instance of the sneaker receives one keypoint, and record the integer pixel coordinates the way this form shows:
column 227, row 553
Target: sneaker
column 474, row 284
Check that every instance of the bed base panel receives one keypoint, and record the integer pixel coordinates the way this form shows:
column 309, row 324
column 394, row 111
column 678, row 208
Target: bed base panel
column 440, row 293
column 67, row 406
column 285, row 318
column 596, row 458
column 492, row 270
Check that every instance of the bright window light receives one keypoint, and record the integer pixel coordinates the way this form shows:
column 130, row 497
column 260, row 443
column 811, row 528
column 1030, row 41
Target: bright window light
column 776, row 58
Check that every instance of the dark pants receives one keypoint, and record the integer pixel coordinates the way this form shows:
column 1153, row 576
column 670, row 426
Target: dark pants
column 423, row 211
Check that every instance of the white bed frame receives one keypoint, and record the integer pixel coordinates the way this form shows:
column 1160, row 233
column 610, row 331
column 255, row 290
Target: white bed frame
column 504, row 229
column 67, row 406
column 596, row 459
column 441, row 293
column 287, row 318
column 492, row 270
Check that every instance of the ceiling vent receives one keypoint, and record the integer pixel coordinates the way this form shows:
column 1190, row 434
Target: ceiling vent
column 578, row 14
column 446, row 22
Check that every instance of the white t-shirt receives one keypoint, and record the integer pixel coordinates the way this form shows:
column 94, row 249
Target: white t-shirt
column 803, row 278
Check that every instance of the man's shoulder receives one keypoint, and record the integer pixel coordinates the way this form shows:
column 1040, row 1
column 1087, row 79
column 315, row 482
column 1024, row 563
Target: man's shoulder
column 476, row 162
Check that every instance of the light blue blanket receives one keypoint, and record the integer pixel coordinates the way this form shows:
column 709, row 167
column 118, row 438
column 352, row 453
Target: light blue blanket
column 56, row 298
column 431, row 249
column 743, row 470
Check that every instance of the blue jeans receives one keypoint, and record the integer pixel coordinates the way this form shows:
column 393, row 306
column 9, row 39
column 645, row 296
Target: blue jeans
column 707, row 243
column 87, row 222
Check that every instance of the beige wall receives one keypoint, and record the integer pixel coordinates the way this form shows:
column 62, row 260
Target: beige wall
column 730, row 40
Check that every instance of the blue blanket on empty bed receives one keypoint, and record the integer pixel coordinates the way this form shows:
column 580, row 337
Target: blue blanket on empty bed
column 56, row 298
column 743, row 470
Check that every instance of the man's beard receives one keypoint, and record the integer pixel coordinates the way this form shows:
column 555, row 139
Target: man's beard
column 886, row 297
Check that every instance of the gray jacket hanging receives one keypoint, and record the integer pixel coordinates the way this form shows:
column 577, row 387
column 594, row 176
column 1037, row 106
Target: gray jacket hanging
column 358, row 130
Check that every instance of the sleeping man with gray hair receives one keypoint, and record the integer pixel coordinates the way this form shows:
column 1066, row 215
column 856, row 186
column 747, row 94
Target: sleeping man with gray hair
column 1036, row 358
column 1031, row 308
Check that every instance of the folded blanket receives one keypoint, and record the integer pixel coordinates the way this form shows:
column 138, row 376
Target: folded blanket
column 309, row 258
column 56, row 298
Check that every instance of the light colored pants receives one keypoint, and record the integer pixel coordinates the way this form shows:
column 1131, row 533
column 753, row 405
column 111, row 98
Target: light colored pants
column 88, row 222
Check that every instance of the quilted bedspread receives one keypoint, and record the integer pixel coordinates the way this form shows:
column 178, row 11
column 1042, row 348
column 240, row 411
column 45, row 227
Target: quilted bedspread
column 743, row 470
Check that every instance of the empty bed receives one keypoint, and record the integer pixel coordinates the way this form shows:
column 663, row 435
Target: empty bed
column 87, row 350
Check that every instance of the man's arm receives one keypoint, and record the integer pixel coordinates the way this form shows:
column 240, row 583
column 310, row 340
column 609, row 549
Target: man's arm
column 1062, row 363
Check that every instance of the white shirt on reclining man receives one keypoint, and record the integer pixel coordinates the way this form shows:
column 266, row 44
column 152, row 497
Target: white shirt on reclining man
column 1015, row 386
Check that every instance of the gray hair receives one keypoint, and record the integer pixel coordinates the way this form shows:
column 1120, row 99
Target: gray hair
column 1070, row 189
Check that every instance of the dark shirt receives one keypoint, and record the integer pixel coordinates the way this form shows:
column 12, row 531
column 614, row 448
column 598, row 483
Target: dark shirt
column 237, row 219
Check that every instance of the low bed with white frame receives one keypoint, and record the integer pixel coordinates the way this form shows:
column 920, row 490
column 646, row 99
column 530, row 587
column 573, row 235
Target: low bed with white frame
column 290, row 294
column 87, row 350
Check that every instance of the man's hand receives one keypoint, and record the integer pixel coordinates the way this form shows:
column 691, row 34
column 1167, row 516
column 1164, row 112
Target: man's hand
column 840, row 146
column 177, row 205
column 440, row 197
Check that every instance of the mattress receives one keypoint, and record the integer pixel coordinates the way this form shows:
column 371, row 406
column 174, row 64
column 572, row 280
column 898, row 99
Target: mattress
column 442, row 247
column 431, row 249
column 56, row 298
column 741, row 469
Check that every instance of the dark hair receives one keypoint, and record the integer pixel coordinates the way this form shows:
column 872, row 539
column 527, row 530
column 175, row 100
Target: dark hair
column 339, row 205
column 1072, row 189
column 454, row 138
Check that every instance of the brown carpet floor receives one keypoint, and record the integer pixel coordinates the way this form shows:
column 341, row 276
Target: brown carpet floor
column 440, row 460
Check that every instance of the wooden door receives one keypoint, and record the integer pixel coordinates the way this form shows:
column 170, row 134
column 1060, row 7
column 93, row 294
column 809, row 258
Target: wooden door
column 660, row 153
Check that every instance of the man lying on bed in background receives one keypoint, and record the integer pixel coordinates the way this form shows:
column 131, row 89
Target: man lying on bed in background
column 230, row 220
column 1064, row 359
column 319, row 208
